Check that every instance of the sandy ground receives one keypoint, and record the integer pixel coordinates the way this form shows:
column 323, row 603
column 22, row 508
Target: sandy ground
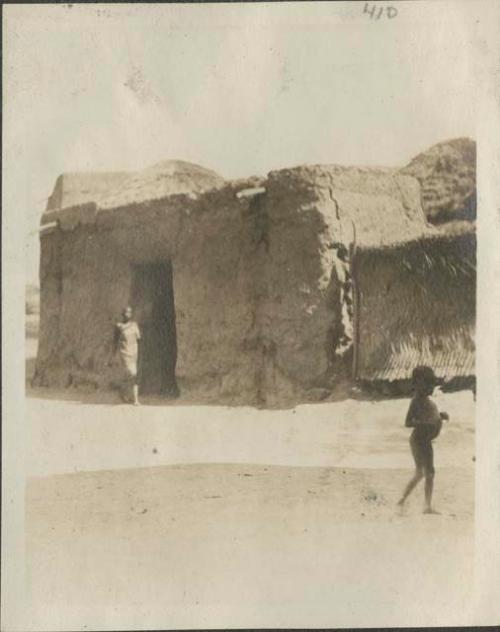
column 186, row 516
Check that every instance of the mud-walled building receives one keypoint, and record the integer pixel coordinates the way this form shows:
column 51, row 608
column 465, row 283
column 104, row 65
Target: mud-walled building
column 244, row 290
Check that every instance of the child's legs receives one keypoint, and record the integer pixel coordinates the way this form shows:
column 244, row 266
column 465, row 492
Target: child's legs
column 124, row 387
column 126, row 391
column 428, row 466
column 419, row 471
column 129, row 388
column 417, row 477
column 134, row 385
column 135, row 392
column 429, row 486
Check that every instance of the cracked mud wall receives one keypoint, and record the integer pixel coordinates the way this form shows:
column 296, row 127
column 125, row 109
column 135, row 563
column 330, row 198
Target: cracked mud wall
column 79, row 305
column 261, row 285
column 301, row 306
column 211, row 244
column 214, row 270
column 248, row 327
column 313, row 216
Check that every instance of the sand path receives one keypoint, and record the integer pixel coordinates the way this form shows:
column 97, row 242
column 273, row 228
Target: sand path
column 183, row 516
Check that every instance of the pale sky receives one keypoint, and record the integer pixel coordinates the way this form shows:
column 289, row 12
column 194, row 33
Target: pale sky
column 241, row 89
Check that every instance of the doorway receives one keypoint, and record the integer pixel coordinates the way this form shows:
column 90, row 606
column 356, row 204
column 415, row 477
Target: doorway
column 152, row 299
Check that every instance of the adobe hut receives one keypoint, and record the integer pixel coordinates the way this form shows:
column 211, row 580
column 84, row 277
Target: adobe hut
column 243, row 290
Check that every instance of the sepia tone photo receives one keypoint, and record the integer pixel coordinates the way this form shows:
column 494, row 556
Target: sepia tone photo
column 250, row 268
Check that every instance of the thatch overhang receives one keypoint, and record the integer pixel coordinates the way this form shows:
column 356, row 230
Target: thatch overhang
column 417, row 306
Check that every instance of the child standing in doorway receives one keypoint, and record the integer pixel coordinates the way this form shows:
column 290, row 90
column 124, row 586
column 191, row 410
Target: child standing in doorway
column 425, row 419
column 127, row 337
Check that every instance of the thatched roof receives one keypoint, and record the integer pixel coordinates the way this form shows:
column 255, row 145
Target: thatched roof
column 427, row 315
column 451, row 234
column 447, row 174
column 454, row 358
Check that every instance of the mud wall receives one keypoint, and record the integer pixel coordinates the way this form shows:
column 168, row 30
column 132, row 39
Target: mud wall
column 259, row 283
column 251, row 279
column 51, row 277
column 300, row 302
column 311, row 216
column 86, row 272
column 215, row 301
column 84, row 285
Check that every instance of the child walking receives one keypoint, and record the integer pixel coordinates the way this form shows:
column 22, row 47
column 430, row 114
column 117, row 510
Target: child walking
column 426, row 421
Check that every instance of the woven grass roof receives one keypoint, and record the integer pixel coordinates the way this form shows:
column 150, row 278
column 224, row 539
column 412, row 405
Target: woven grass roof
column 455, row 246
column 418, row 303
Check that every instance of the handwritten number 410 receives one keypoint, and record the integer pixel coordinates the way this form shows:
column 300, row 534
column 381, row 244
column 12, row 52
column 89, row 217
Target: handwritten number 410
column 376, row 12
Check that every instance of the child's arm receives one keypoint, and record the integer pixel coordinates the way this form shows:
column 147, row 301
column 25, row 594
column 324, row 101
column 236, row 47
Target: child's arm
column 410, row 415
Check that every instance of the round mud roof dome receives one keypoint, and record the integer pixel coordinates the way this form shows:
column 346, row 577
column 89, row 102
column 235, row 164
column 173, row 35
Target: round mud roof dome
column 168, row 177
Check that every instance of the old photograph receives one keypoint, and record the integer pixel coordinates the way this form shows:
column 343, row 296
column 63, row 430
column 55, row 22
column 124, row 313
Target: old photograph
column 250, row 271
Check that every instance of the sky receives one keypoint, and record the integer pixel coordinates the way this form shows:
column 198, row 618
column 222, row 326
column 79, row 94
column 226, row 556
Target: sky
column 241, row 89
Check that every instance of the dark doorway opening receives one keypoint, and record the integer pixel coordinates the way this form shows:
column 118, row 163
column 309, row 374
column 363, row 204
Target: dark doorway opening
column 152, row 299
